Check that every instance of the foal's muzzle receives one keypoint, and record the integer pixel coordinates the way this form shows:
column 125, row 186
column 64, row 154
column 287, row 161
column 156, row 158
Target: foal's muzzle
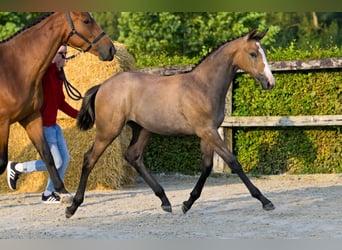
column 267, row 83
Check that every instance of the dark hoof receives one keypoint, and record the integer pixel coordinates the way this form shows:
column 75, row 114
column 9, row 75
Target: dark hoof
column 167, row 208
column 68, row 212
column 268, row 206
column 185, row 208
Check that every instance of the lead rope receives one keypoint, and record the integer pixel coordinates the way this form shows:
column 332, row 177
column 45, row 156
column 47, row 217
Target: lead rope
column 72, row 92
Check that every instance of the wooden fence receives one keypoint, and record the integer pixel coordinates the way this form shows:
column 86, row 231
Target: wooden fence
column 266, row 121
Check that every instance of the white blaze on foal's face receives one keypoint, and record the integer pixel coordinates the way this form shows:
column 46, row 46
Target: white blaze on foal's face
column 267, row 70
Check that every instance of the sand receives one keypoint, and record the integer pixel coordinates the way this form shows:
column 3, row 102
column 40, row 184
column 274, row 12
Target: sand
column 307, row 207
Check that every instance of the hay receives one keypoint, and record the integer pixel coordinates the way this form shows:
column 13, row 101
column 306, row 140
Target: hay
column 111, row 171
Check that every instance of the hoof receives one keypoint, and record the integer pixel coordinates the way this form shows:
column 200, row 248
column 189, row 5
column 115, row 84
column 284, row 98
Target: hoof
column 66, row 198
column 268, row 206
column 68, row 213
column 167, row 208
column 185, row 208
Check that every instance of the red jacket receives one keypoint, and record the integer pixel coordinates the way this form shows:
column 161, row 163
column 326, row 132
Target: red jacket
column 54, row 98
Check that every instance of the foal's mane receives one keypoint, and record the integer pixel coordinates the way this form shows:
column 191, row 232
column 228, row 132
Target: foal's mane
column 28, row 26
column 254, row 37
column 208, row 54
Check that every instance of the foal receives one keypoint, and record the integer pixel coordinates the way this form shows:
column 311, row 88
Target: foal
column 189, row 103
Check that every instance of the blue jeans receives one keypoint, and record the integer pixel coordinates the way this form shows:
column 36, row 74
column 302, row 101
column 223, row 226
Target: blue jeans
column 60, row 153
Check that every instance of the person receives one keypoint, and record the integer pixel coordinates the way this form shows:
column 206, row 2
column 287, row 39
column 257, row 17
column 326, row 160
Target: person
column 53, row 100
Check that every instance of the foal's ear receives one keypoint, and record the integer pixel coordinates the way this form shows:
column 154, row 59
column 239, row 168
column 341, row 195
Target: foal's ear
column 261, row 35
column 253, row 35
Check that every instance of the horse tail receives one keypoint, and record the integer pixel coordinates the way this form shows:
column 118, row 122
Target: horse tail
column 86, row 115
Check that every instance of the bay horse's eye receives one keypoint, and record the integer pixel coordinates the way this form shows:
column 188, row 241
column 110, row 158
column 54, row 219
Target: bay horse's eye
column 87, row 21
column 253, row 54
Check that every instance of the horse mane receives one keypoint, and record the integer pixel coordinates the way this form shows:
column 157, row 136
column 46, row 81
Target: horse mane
column 208, row 54
column 255, row 36
column 28, row 26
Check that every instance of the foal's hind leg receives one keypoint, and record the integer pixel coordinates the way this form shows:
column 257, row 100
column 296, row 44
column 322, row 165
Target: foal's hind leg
column 134, row 155
column 90, row 159
column 212, row 137
column 207, row 160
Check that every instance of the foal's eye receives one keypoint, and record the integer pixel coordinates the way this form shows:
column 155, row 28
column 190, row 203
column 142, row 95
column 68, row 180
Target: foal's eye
column 253, row 54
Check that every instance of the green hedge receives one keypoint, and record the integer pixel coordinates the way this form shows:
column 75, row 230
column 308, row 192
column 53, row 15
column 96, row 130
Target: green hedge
column 293, row 150
column 276, row 150
column 173, row 154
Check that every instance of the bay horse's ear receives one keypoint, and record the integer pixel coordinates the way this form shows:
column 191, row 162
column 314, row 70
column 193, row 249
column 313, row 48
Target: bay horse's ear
column 253, row 34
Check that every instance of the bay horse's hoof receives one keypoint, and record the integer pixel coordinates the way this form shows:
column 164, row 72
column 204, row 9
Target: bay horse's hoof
column 269, row 206
column 66, row 198
column 167, row 208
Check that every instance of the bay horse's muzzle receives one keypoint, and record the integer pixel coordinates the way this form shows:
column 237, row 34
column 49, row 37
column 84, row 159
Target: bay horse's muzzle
column 112, row 52
column 107, row 53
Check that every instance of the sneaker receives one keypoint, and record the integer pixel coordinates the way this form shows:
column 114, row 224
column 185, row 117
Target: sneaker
column 51, row 199
column 12, row 175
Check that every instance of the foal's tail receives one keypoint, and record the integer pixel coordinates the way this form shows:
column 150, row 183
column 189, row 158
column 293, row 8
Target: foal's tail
column 86, row 115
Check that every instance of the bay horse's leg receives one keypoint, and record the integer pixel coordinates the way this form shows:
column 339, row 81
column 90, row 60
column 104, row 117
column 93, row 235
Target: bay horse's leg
column 89, row 161
column 4, row 133
column 134, row 155
column 212, row 137
column 207, row 161
column 34, row 130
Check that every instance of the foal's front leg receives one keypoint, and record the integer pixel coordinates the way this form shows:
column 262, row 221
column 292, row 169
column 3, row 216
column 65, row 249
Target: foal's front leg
column 207, row 161
column 212, row 137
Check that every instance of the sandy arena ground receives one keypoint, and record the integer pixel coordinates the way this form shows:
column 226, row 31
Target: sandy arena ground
column 307, row 207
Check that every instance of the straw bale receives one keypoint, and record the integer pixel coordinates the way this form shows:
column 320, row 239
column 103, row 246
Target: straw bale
column 112, row 170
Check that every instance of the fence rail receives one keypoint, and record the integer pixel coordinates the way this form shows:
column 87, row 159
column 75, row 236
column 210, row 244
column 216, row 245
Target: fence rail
column 276, row 66
column 282, row 121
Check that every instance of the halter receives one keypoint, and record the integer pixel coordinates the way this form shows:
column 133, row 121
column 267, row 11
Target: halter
column 72, row 92
column 74, row 32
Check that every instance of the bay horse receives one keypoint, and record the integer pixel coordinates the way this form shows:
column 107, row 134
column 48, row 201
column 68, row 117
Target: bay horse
column 24, row 58
column 188, row 103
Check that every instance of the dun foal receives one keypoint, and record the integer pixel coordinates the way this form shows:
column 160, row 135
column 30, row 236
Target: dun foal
column 189, row 103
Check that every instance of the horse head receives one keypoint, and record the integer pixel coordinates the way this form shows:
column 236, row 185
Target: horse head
column 86, row 35
column 251, row 58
